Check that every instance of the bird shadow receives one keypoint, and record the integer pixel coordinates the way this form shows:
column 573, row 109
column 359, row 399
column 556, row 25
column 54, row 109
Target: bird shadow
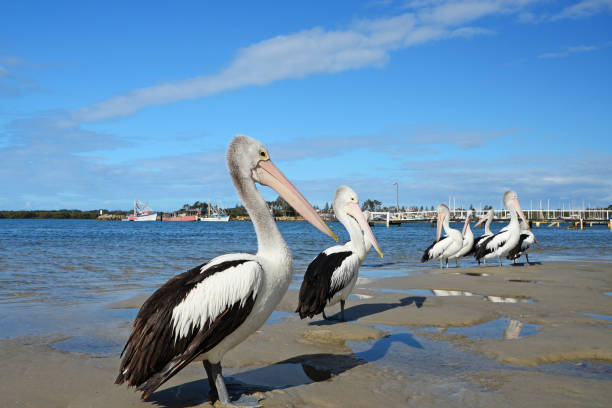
column 366, row 309
column 292, row 372
column 525, row 264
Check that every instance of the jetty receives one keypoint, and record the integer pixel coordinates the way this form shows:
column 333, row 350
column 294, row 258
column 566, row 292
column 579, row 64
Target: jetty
column 578, row 219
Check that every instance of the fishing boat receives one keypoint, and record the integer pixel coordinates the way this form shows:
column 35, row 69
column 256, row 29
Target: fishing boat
column 183, row 216
column 215, row 214
column 142, row 212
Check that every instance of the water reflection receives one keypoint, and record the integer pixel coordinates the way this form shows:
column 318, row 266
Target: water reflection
column 504, row 328
column 447, row 292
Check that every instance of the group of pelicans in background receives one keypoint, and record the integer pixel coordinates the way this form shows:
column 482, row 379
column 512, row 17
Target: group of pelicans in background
column 510, row 242
column 208, row 310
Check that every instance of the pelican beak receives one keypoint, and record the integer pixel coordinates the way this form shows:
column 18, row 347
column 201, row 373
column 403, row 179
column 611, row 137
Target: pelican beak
column 354, row 211
column 465, row 225
column 439, row 225
column 520, row 212
column 269, row 175
column 480, row 221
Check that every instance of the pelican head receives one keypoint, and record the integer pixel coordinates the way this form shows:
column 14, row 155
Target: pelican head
column 489, row 216
column 248, row 161
column 443, row 213
column 468, row 218
column 346, row 202
column 511, row 202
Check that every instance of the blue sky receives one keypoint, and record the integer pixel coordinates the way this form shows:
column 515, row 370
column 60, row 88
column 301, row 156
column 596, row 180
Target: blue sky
column 104, row 103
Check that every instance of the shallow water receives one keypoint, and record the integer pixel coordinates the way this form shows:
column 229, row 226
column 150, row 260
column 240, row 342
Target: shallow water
column 407, row 352
column 57, row 276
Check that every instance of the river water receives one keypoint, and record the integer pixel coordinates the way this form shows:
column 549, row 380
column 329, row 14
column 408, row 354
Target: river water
column 59, row 275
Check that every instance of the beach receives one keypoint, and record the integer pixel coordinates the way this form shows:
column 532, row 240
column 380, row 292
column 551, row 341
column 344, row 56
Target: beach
column 525, row 335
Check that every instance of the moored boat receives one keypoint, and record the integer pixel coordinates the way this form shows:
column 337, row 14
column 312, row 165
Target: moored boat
column 181, row 217
column 215, row 214
column 142, row 212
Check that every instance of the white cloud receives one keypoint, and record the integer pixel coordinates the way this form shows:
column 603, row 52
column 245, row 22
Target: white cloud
column 569, row 51
column 309, row 52
column 584, row 8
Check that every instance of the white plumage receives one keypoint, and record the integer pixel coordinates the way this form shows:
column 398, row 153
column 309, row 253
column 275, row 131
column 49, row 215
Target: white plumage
column 500, row 244
column 216, row 293
column 443, row 248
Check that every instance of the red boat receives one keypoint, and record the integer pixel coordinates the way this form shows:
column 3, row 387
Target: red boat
column 181, row 217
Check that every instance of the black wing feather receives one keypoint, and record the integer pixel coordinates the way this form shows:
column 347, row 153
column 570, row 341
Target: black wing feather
column 425, row 256
column 482, row 249
column 316, row 286
column 152, row 355
column 472, row 251
column 516, row 252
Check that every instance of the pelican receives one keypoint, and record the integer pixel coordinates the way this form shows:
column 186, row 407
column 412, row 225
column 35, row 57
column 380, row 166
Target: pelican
column 479, row 240
column 525, row 242
column 331, row 276
column 468, row 239
column 500, row 244
column 211, row 308
column 443, row 248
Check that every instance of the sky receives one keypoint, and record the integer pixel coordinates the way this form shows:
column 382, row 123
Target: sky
column 102, row 103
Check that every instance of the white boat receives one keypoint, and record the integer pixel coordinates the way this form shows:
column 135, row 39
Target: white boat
column 215, row 214
column 142, row 212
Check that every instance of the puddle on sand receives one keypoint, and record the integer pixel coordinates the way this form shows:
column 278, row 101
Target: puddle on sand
column 88, row 344
column 415, row 292
column 359, row 296
column 444, row 292
column 475, row 274
column 278, row 316
column 608, row 293
column 524, row 281
column 599, row 316
column 504, row 328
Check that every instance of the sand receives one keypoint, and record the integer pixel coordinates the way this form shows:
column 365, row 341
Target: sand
column 399, row 348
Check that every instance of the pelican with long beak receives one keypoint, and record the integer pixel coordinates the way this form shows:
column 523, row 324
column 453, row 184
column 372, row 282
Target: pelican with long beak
column 443, row 248
column 499, row 245
column 468, row 239
column 205, row 312
column 331, row 276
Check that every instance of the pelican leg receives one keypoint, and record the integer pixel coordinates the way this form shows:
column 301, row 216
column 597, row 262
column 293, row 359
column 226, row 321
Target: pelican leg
column 243, row 401
column 446, row 263
column 527, row 257
column 441, row 263
column 325, row 317
column 213, row 395
column 342, row 311
column 456, row 262
column 500, row 262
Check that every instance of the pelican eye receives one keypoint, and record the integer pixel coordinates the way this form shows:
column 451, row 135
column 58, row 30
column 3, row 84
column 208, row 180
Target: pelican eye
column 263, row 154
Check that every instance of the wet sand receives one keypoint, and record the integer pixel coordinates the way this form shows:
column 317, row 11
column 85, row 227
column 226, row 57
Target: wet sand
column 526, row 336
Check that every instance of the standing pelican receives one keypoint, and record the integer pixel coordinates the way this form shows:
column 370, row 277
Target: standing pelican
column 525, row 242
column 331, row 276
column 500, row 244
column 211, row 308
column 487, row 232
column 443, row 248
column 468, row 239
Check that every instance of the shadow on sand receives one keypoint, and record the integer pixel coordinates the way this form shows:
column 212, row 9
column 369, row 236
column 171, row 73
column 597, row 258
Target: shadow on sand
column 367, row 309
column 295, row 371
